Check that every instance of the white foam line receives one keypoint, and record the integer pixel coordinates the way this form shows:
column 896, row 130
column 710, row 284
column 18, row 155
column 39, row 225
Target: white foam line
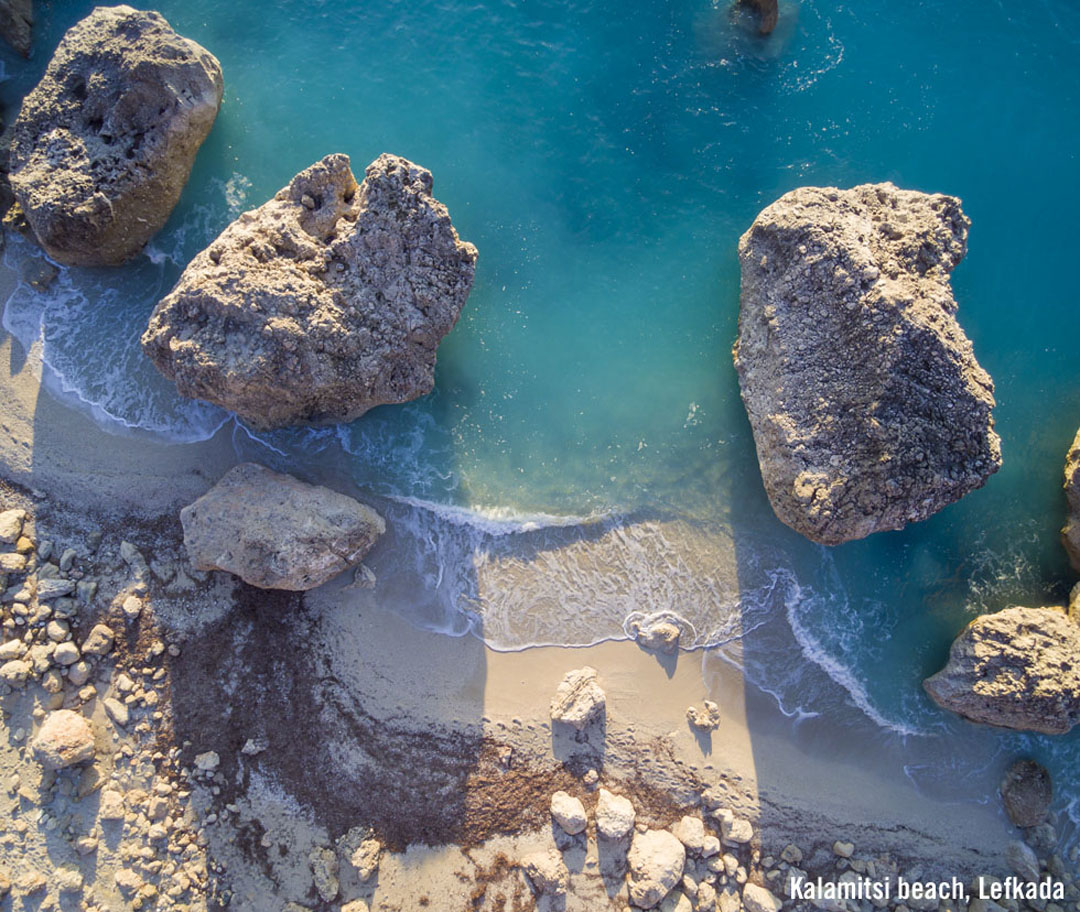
column 499, row 521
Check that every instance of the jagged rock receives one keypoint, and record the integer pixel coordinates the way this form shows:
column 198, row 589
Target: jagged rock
column 104, row 144
column 768, row 13
column 868, row 408
column 705, row 719
column 546, row 873
column 324, row 872
column 16, row 20
column 690, row 831
column 276, row 532
column 614, row 815
column 1015, row 669
column 659, row 634
column 1070, row 535
column 569, row 813
column 758, row 899
column 64, row 739
column 325, row 302
column 1027, row 791
column 578, row 699
column 656, row 860
column 11, row 525
column 676, row 901
column 99, row 641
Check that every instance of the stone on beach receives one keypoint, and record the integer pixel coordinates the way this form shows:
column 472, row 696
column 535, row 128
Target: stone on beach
column 578, row 699
column 1016, row 669
column 660, row 634
column 868, row 408
column 758, row 899
column 569, row 813
column 11, row 525
column 546, row 873
column 656, row 860
column 1070, row 534
column 276, row 532
column 705, row 719
column 1027, row 792
column 326, row 301
column 614, row 815
column 104, row 144
column 64, row 739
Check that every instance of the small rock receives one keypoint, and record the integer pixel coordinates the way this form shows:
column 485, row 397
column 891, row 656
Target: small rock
column 12, row 649
column 614, row 815
column 66, row 654
column 79, row 673
column 111, row 806
column 132, row 607
column 254, row 746
column 11, row 525
column 365, row 858
column 738, row 832
column 49, row 589
column 659, row 634
column 578, row 700
column 792, row 854
column 546, row 873
column 324, row 872
column 676, row 901
column 656, row 860
column 207, row 762
column 569, row 813
column 15, row 672
column 68, row 880
column 843, row 849
column 56, row 631
column 64, row 740
column 706, row 719
column 758, row 899
column 12, row 563
column 33, row 883
column 86, row 845
column 1027, row 792
column 67, row 559
column 52, row 681
column 116, row 711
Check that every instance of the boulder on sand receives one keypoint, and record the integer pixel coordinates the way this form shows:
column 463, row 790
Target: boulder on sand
column 578, row 700
column 868, row 408
column 1070, row 535
column 321, row 304
column 276, row 532
column 1015, row 669
column 105, row 142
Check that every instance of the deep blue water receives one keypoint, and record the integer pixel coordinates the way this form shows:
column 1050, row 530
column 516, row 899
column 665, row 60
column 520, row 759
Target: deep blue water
column 605, row 159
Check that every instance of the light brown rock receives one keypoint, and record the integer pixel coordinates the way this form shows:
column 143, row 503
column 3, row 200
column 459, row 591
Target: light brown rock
column 64, row 739
column 326, row 301
column 1015, row 669
column 276, row 532
column 656, row 860
column 579, row 700
column 868, row 408
column 104, row 144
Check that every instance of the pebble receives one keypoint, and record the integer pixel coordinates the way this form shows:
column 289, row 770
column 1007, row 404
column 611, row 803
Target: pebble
column 66, row 654
column 843, row 849
column 207, row 762
column 132, row 607
column 57, row 631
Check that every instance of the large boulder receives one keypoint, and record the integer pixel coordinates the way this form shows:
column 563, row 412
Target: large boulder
column 1027, row 792
column 656, row 860
column 16, row 18
column 276, row 532
column 104, row 144
column 868, row 408
column 325, row 302
column 1070, row 535
column 1015, row 669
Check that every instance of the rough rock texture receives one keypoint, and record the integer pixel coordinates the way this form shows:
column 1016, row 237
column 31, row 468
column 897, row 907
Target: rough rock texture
column 1070, row 535
column 569, row 813
column 758, row 899
column 1015, row 669
column 656, row 633
column 578, row 699
column 325, row 302
column 104, row 144
column 276, row 532
column 546, row 873
column 16, row 18
column 768, row 13
column 64, row 739
column 656, row 860
column 868, row 408
column 1027, row 791
column 614, row 815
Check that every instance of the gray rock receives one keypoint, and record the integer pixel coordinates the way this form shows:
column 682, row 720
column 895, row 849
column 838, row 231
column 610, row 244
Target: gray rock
column 64, row 739
column 868, row 408
column 690, row 831
column 1015, row 669
column 614, row 815
column 104, row 144
column 48, row 589
column 656, row 860
column 1027, row 792
column 353, row 296
column 324, row 872
column 16, row 19
column 1070, row 535
column 578, row 700
column 546, row 873
column 569, row 813
column 1022, row 861
column 116, row 711
column 276, row 532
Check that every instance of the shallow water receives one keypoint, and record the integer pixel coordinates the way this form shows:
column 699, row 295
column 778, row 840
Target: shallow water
column 605, row 162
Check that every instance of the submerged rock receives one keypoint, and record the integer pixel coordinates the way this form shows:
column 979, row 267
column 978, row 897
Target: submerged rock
column 16, row 20
column 1070, row 535
column 1027, row 791
column 1015, row 669
column 276, row 532
column 578, row 700
column 868, row 408
column 325, row 302
column 104, row 144
column 768, row 13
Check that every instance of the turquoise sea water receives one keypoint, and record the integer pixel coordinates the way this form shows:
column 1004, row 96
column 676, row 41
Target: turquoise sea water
column 605, row 159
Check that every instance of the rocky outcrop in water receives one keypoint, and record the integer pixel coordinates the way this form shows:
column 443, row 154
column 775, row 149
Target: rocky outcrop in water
column 104, row 144
column 768, row 12
column 16, row 20
column 323, row 303
column 1070, row 535
column 1015, row 669
column 868, row 408
column 276, row 532
column 1026, row 792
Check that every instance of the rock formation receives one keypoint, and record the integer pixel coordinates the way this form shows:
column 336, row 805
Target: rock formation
column 656, row 860
column 578, row 700
column 1026, row 792
column 868, row 408
column 768, row 13
column 104, row 144
column 1015, row 669
column 1070, row 535
column 325, row 302
column 16, row 19
column 276, row 532
column 65, row 738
